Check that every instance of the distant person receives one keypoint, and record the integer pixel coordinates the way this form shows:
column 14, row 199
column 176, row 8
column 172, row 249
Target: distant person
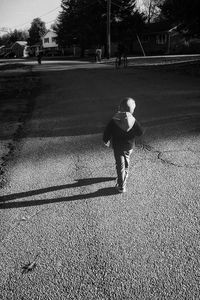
column 98, row 54
column 39, row 58
column 121, row 52
column 121, row 131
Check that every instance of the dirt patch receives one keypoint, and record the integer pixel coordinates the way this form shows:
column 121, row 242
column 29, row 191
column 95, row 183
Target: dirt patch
column 17, row 93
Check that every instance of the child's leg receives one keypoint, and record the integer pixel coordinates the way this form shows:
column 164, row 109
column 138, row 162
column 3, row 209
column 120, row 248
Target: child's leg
column 127, row 155
column 120, row 167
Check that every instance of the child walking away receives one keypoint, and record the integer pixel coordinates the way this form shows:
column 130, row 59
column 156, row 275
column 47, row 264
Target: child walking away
column 121, row 131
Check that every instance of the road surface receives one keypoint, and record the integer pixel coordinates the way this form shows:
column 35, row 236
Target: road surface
column 65, row 233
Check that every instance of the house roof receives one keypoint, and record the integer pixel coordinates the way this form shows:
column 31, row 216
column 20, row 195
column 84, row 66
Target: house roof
column 48, row 32
column 157, row 27
column 21, row 43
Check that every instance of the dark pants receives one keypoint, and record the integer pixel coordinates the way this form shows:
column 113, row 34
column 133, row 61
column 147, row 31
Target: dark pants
column 122, row 159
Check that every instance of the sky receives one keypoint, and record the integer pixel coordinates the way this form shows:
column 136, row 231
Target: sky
column 18, row 14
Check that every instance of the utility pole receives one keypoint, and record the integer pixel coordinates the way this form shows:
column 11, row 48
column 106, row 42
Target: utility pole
column 140, row 45
column 108, row 28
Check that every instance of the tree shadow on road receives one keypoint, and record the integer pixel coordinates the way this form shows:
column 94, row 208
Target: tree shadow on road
column 77, row 183
column 99, row 193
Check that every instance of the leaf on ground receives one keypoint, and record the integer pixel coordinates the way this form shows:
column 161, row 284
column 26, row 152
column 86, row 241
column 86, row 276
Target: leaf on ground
column 28, row 267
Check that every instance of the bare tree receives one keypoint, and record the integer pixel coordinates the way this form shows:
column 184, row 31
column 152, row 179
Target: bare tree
column 151, row 8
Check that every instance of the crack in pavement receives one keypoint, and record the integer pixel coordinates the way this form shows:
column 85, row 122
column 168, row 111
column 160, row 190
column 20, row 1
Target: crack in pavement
column 19, row 133
column 163, row 157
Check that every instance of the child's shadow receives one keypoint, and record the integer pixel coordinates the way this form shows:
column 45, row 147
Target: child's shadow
column 80, row 182
column 99, row 193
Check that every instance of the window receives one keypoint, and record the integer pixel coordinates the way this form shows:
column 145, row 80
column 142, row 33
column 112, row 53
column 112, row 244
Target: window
column 54, row 39
column 46, row 40
column 161, row 39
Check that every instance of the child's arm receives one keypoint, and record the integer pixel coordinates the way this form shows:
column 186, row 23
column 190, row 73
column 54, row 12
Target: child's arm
column 138, row 142
column 138, row 130
column 107, row 144
column 107, row 134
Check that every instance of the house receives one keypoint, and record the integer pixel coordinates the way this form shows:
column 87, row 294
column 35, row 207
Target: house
column 162, row 42
column 159, row 39
column 49, row 40
column 18, row 48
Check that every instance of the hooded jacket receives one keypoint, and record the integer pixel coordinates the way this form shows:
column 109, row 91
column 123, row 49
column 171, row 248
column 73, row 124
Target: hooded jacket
column 122, row 130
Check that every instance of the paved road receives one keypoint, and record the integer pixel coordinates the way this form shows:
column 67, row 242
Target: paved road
column 61, row 216
column 61, row 64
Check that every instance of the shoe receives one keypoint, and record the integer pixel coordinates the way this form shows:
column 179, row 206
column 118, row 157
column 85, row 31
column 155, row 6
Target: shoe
column 121, row 190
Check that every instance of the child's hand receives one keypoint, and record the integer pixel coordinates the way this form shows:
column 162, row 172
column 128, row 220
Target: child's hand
column 138, row 142
column 107, row 144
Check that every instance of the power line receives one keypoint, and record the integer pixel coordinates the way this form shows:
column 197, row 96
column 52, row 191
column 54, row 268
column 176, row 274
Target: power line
column 3, row 29
column 120, row 6
column 52, row 10
column 47, row 13
column 117, row 4
column 50, row 21
column 114, row 3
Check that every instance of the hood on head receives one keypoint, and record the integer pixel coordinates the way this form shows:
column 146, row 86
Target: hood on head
column 124, row 120
column 127, row 105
